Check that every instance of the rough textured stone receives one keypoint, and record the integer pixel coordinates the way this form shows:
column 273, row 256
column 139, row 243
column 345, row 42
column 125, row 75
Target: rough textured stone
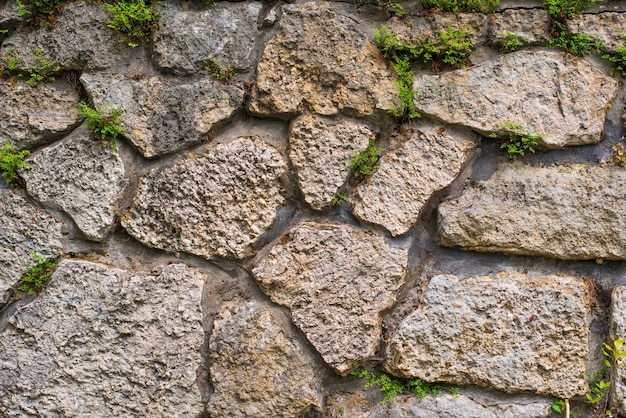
column 532, row 26
column 81, row 176
column 161, row 117
column 571, row 212
column 318, row 60
column 104, row 342
column 428, row 161
column 509, row 331
column 79, row 40
column 542, row 91
column 24, row 228
column 215, row 204
column 32, row 115
column 618, row 329
column 336, row 280
column 258, row 366
column 226, row 33
column 320, row 151
column 607, row 26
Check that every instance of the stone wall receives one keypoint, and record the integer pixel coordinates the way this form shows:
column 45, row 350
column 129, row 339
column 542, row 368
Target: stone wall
column 223, row 260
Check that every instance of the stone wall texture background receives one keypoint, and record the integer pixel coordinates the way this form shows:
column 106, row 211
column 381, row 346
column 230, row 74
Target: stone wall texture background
column 223, row 259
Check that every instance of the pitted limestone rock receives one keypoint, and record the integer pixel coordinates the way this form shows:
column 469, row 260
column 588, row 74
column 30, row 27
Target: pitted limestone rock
column 320, row 151
column 336, row 280
column 83, row 177
column 103, row 342
column 259, row 368
column 618, row 329
column 542, row 91
column 319, row 61
column 32, row 115
column 603, row 26
column 510, row 331
column 216, row 204
column 570, row 212
column 428, row 161
column 25, row 229
column 226, row 34
column 80, row 39
column 160, row 117
column 531, row 26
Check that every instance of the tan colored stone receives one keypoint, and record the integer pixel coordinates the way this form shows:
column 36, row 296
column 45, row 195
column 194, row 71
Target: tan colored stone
column 531, row 26
column 618, row 329
column 608, row 27
column 509, row 331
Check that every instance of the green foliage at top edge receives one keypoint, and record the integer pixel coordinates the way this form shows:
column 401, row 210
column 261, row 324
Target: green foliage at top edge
column 456, row 6
column 135, row 20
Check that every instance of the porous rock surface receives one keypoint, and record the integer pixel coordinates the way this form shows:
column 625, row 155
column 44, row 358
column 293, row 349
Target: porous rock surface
column 320, row 151
column 80, row 39
column 258, row 366
column 25, row 228
column 541, row 91
column 104, row 342
column 603, row 26
column 319, row 61
column 544, row 211
column 81, row 176
column 531, row 26
column 336, row 280
column 428, row 161
column 216, row 204
column 618, row 329
column 160, row 117
column 510, row 331
column 32, row 115
column 225, row 34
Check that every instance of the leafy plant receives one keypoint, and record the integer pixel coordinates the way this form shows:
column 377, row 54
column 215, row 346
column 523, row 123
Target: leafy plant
column 9, row 64
column 562, row 407
column 517, row 142
column 457, row 47
column 44, row 70
column 392, row 386
column 619, row 153
column 217, row 72
column 406, row 110
column 618, row 58
column 134, row 19
column 39, row 13
column 36, row 276
column 10, row 162
column 339, row 198
column 578, row 44
column 509, row 42
column 102, row 123
column 364, row 163
column 471, row 6
column 562, row 10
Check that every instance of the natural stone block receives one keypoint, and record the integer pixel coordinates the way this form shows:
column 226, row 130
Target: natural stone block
column 319, row 61
column 24, row 228
column 216, row 204
column 509, row 331
column 608, row 27
column 336, row 280
column 258, row 366
column 82, row 177
column 531, row 26
column 543, row 92
column 618, row 329
column 160, row 117
column 320, row 151
column 226, row 33
column 104, row 342
column 571, row 212
column 427, row 162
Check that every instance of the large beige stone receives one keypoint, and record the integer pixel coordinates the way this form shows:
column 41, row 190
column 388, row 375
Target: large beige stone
column 427, row 162
column 542, row 91
column 161, row 116
column 216, row 204
column 608, row 27
column 24, row 229
column 336, row 280
column 510, row 331
column 84, row 178
column 104, row 342
column 32, row 115
column 320, row 151
column 259, row 368
column 570, row 212
column 319, row 61
column 531, row 26
column 618, row 329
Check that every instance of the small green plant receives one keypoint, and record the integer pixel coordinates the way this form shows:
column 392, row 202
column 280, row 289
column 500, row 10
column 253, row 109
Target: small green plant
column 216, row 71
column 562, row 407
column 618, row 58
column 10, row 162
column 392, row 386
column 134, row 19
column 578, row 44
column 36, row 276
column 619, row 153
column 9, row 65
column 339, row 198
column 364, row 163
column 509, row 42
column 102, row 123
column 43, row 72
column 406, row 110
column 517, row 142
column 457, row 47
column 562, row 10
column 456, row 6
column 39, row 13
